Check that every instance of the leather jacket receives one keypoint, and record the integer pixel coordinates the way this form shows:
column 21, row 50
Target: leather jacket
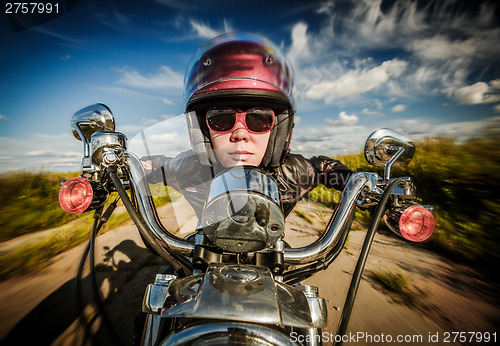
column 296, row 177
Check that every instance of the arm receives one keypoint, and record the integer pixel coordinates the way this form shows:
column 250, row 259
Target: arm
column 298, row 175
column 153, row 167
column 329, row 172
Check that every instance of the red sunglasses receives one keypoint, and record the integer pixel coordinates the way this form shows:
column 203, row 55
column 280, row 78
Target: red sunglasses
column 255, row 120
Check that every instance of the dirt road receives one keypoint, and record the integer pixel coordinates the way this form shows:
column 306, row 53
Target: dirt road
column 40, row 308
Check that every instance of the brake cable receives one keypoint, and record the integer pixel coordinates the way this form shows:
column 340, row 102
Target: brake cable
column 360, row 265
column 90, row 250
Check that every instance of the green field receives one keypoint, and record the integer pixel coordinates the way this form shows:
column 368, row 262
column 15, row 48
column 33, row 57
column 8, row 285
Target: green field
column 461, row 181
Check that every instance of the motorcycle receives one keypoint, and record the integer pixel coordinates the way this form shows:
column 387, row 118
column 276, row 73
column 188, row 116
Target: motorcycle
column 233, row 279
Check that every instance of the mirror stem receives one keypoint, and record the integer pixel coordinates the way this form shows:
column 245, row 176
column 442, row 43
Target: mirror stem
column 86, row 163
column 387, row 169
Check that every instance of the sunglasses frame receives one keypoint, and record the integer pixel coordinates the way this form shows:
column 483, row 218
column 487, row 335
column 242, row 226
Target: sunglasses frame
column 241, row 117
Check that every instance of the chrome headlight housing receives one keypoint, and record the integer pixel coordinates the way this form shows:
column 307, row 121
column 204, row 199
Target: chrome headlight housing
column 243, row 212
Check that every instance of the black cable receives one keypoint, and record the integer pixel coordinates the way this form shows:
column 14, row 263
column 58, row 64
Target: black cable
column 95, row 290
column 356, row 277
column 99, row 221
column 78, row 284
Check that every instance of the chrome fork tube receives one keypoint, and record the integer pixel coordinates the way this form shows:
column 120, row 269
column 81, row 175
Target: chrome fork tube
column 148, row 213
column 317, row 250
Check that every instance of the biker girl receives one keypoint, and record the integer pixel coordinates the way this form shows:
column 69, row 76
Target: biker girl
column 240, row 109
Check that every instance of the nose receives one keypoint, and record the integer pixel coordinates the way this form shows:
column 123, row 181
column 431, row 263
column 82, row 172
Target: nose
column 240, row 133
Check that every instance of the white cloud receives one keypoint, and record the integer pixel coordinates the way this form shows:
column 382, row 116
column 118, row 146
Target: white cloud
column 497, row 108
column 495, row 84
column 300, row 48
column 415, row 126
column 205, row 31
column 399, row 108
column 460, row 130
column 328, row 140
column 344, row 120
column 478, row 93
column 355, row 82
column 165, row 79
column 444, row 47
column 419, row 128
column 3, row 117
column 332, row 141
column 118, row 91
column 57, row 35
column 167, row 137
column 117, row 21
column 368, row 111
column 54, row 153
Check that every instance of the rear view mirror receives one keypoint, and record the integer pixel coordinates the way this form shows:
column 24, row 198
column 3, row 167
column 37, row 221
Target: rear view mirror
column 88, row 121
column 388, row 148
column 91, row 119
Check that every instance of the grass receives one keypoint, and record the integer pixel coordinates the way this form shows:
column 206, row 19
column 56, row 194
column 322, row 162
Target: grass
column 396, row 284
column 460, row 180
column 303, row 215
column 30, row 204
column 330, row 198
column 35, row 255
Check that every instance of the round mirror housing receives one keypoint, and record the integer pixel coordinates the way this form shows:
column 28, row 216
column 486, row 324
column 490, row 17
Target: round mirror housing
column 383, row 145
column 91, row 119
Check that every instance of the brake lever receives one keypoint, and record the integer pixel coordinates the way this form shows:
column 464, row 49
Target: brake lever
column 404, row 191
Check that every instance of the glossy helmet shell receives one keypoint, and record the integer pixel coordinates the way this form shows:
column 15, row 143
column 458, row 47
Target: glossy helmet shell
column 237, row 68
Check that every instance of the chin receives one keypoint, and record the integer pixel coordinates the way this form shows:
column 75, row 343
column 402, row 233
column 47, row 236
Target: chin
column 232, row 163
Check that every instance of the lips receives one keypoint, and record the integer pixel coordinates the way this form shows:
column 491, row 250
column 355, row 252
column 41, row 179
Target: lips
column 240, row 155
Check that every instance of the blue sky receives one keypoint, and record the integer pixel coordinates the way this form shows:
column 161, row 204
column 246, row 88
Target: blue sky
column 424, row 68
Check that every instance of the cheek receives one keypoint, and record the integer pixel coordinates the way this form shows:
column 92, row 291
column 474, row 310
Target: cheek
column 219, row 141
column 261, row 141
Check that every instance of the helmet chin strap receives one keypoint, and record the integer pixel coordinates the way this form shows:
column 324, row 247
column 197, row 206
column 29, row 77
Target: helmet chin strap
column 279, row 141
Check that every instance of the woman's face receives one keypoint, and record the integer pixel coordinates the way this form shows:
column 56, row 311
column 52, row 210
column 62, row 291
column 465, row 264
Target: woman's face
column 239, row 147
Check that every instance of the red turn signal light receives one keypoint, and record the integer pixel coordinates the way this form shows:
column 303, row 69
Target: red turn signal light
column 76, row 195
column 416, row 224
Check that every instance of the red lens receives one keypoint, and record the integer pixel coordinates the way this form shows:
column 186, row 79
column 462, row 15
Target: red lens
column 221, row 119
column 75, row 195
column 416, row 224
column 255, row 120
column 259, row 119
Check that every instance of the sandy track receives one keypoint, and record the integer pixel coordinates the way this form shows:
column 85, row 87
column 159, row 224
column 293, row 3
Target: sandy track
column 40, row 308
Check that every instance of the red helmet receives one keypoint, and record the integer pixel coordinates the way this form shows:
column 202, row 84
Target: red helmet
column 239, row 68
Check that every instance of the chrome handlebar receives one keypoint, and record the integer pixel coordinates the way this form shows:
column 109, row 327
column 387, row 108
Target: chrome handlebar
column 147, row 210
column 358, row 183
